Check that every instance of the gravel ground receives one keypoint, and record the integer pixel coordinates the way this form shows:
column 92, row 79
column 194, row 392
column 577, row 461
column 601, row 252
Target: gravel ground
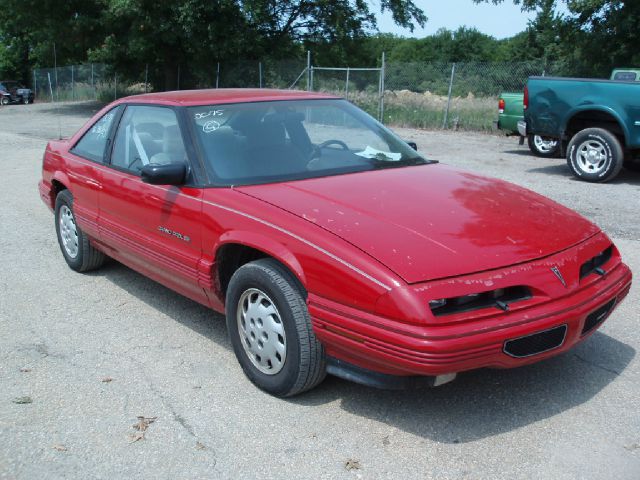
column 93, row 352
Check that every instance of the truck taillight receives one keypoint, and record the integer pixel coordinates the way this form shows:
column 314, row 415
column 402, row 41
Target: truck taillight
column 501, row 105
column 526, row 97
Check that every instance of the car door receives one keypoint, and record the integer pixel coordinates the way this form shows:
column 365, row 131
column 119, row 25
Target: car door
column 155, row 229
column 85, row 160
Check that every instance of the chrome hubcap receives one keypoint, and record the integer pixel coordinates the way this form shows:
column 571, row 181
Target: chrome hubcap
column 591, row 156
column 544, row 144
column 68, row 231
column 261, row 331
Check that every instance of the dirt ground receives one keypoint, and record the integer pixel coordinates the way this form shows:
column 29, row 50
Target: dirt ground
column 82, row 357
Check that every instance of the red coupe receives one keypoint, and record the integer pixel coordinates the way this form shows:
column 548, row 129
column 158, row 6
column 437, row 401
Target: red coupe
column 331, row 245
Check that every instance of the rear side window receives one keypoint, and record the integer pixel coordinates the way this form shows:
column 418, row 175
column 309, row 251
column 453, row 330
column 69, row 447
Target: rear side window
column 93, row 143
column 625, row 76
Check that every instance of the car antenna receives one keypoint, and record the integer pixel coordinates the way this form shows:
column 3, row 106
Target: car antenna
column 57, row 101
column 59, row 123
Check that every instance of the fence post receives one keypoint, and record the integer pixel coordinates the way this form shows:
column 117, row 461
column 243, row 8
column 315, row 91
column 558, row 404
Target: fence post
column 93, row 86
column 383, row 69
column 178, row 80
column 308, row 70
column 217, row 74
column 446, row 112
column 311, row 79
column 146, row 77
column 50, row 87
column 73, row 86
column 115, row 86
column 260, row 73
column 346, row 87
column 35, row 84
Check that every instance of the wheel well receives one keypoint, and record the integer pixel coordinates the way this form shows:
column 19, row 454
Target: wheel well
column 594, row 119
column 230, row 257
column 57, row 187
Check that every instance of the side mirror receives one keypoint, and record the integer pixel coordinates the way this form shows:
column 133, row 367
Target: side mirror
column 413, row 145
column 164, row 174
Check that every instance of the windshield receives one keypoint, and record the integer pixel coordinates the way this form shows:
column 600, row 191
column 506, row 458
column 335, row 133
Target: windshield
column 265, row 142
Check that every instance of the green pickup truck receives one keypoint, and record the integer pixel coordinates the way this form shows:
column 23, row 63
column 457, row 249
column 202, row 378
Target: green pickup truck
column 597, row 122
column 510, row 112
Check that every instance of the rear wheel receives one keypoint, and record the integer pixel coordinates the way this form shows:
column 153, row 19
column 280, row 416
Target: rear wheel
column 595, row 155
column 545, row 147
column 76, row 249
column 26, row 100
column 270, row 329
column 4, row 100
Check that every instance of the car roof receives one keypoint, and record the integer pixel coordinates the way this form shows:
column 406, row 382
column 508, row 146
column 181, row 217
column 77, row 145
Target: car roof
column 223, row 95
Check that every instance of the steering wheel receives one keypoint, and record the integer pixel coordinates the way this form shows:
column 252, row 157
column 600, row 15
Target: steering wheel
column 334, row 142
column 316, row 150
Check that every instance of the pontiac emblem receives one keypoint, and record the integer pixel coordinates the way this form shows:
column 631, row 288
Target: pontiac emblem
column 556, row 272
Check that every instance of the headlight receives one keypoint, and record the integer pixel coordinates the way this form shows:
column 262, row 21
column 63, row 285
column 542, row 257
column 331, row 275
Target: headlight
column 499, row 298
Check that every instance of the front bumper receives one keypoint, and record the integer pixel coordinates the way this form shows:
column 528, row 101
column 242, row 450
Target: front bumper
column 390, row 347
column 522, row 128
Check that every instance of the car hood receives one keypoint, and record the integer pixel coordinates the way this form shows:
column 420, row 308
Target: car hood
column 432, row 221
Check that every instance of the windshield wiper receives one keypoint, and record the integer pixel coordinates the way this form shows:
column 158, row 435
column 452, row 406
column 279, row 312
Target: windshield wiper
column 407, row 162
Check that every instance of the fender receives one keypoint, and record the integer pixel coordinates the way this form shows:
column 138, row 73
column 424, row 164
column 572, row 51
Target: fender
column 264, row 244
column 598, row 108
column 62, row 178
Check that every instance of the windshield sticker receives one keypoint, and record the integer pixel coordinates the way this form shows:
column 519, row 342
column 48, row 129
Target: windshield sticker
column 210, row 126
column 372, row 153
column 210, row 113
column 102, row 126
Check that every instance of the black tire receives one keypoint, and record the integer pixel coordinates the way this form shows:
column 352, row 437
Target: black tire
column 4, row 100
column 304, row 364
column 26, row 100
column 605, row 166
column 87, row 257
column 543, row 146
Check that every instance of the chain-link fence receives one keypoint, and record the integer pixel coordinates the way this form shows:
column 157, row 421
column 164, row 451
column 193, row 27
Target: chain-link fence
column 81, row 83
column 445, row 95
column 461, row 96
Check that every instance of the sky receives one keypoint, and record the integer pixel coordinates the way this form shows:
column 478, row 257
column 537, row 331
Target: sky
column 500, row 21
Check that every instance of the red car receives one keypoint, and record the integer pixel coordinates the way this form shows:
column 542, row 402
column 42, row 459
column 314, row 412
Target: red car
column 331, row 245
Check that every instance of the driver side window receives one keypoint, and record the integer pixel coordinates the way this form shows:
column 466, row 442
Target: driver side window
column 147, row 135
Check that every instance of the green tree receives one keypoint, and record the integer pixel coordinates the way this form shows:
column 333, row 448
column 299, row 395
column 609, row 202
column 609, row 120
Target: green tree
column 185, row 35
column 595, row 37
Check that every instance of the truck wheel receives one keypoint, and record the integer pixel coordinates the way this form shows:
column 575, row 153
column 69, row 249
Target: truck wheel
column 26, row 100
column 270, row 329
column 595, row 155
column 543, row 146
column 4, row 100
column 77, row 251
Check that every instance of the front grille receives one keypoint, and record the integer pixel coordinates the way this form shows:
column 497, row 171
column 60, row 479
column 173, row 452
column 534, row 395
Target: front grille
column 536, row 342
column 598, row 316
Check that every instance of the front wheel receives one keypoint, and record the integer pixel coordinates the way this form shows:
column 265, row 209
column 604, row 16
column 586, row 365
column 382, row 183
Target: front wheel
column 4, row 100
column 270, row 329
column 26, row 100
column 545, row 147
column 595, row 155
